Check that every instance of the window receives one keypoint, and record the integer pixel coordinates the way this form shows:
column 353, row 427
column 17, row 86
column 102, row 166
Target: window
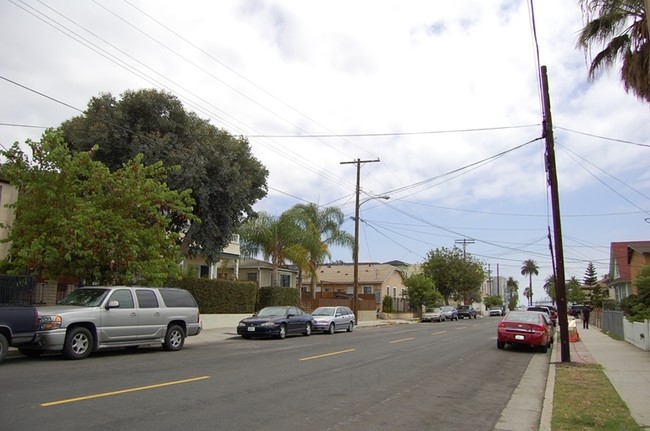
column 285, row 280
column 204, row 271
column 251, row 276
column 146, row 298
column 177, row 298
column 124, row 297
column 367, row 290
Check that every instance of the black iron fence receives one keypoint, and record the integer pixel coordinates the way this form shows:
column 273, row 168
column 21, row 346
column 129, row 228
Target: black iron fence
column 17, row 290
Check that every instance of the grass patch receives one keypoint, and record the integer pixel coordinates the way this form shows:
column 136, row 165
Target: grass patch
column 584, row 399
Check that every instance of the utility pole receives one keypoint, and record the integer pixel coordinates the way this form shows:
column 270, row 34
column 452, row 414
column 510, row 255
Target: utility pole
column 560, row 281
column 464, row 241
column 355, row 251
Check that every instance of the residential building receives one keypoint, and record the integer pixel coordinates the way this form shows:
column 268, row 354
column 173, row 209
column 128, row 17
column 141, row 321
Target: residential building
column 226, row 268
column 8, row 196
column 625, row 261
column 494, row 286
column 376, row 279
column 261, row 272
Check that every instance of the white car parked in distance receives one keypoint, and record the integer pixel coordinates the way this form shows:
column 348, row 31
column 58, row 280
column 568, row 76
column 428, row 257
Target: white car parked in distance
column 495, row 311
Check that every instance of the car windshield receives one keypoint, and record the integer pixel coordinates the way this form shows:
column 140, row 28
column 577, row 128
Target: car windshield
column 272, row 312
column 323, row 311
column 433, row 310
column 85, row 297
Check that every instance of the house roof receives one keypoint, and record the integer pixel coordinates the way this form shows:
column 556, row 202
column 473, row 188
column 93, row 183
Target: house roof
column 369, row 273
column 261, row 264
column 621, row 254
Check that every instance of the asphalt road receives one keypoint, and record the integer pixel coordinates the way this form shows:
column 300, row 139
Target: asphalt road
column 426, row 376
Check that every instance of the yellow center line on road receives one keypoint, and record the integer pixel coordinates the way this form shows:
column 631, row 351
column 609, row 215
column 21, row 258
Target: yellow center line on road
column 438, row 333
column 123, row 391
column 401, row 340
column 309, row 358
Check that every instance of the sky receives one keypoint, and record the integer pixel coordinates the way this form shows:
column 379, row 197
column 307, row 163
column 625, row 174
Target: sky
column 441, row 101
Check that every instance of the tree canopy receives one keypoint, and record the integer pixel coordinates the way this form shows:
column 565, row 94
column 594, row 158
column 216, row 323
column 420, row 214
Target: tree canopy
column 421, row 291
column 224, row 178
column 275, row 238
column 455, row 274
column 618, row 30
column 320, row 228
column 76, row 218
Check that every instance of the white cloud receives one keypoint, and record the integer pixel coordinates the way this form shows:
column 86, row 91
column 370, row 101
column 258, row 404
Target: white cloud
column 365, row 67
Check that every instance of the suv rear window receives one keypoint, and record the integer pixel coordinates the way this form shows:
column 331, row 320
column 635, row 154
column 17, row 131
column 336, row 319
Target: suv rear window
column 177, row 298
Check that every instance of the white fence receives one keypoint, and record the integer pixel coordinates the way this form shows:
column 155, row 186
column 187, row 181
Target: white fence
column 638, row 334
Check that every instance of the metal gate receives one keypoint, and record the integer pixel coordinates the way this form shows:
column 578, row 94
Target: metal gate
column 17, row 289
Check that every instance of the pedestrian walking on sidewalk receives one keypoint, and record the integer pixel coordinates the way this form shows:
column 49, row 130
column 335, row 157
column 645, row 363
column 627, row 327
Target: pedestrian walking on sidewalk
column 585, row 317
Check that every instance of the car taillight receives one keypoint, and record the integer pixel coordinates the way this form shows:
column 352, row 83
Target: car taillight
column 502, row 325
column 538, row 328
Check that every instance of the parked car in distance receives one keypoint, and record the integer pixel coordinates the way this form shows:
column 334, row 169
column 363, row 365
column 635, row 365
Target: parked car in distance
column 433, row 315
column 332, row 319
column 277, row 321
column 466, row 311
column 495, row 311
column 18, row 326
column 98, row 317
column 530, row 328
column 450, row 312
column 575, row 310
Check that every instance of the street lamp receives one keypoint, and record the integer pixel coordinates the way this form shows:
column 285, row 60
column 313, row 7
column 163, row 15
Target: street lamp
column 355, row 252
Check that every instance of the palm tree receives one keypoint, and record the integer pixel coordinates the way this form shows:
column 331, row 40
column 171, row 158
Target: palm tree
column 620, row 29
column 513, row 293
column 549, row 287
column 321, row 228
column 275, row 238
column 529, row 268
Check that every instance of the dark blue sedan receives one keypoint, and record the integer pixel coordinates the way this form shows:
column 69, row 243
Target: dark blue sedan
column 276, row 321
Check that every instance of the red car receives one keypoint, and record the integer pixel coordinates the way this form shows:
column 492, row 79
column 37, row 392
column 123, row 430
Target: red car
column 531, row 328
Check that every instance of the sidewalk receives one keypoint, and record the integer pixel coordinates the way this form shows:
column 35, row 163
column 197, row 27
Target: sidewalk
column 626, row 367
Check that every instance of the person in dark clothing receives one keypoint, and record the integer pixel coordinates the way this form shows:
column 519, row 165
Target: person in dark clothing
column 585, row 317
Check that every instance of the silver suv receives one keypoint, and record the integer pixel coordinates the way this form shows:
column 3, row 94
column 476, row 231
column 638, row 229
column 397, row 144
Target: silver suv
column 93, row 318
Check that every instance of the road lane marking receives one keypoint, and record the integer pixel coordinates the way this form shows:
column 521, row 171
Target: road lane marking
column 123, row 391
column 401, row 340
column 438, row 333
column 324, row 355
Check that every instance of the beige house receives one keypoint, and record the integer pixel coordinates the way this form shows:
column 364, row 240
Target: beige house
column 377, row 279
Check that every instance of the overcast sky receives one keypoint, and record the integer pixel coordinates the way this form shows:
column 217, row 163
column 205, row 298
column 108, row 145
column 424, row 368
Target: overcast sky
column 446, row 95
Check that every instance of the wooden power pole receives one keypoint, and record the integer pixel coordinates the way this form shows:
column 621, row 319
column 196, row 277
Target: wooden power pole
column 560, row 279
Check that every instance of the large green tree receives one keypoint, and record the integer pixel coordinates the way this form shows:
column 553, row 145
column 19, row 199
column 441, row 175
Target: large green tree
column 618, row 31
column 321, row 228
column 277, row 239
column 590, row 280
column 529, row 268
column 455, row 274
column 574, row 292
column 74, row 217
column 421, row 292
column 220, row 170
